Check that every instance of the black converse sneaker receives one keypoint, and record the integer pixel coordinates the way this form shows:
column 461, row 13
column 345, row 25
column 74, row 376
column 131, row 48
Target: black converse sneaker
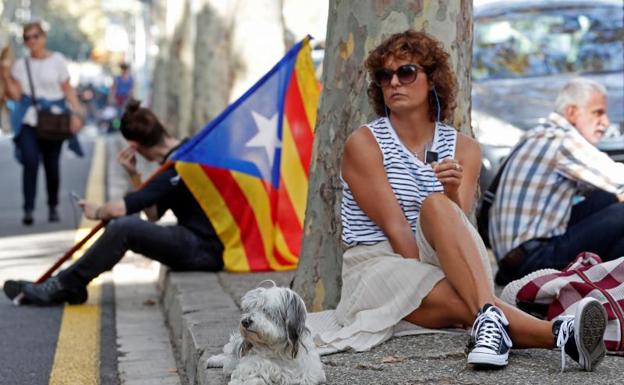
column 491, row 338
column 581, row 336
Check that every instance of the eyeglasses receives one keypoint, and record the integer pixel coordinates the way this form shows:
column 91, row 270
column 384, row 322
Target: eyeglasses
column 31, row 36
column 406, row 74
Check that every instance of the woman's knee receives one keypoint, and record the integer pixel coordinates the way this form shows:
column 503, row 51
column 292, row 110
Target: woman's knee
column 434, row 205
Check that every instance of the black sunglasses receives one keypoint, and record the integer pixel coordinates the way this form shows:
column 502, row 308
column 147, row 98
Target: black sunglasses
column 406, row 74
column 31, row 36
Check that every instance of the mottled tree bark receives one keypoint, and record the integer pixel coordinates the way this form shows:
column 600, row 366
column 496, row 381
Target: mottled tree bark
column 354, row 28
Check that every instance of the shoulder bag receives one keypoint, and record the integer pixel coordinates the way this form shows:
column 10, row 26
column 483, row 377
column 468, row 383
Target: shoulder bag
column 50, row 126
column 549, row 293
column 483, row 209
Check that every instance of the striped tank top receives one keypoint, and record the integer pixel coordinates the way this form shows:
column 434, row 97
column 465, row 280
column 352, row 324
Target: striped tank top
column 411, row 180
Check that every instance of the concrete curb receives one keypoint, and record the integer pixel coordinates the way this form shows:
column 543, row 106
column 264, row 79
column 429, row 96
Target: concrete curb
column 200, row 315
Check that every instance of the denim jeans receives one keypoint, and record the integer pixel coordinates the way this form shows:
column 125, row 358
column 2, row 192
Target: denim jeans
column 33, row 150
column 596, row 225
column 174, row 246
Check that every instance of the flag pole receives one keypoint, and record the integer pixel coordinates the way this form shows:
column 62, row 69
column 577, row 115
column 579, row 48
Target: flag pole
column 18, row 299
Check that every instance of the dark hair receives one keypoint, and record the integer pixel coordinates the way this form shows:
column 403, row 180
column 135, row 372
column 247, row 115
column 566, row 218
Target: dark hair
column 33, row 25
column 141, row 125
column 429, row 54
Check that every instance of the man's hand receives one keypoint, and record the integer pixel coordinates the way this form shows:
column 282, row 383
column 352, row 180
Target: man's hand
column 620, row 197
column 449, row 172
column 89, row 209
column 127, row 159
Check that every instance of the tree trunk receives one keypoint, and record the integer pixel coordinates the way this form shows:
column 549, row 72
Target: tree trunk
column 180, row 68
column 355, row 28
column 213, row 75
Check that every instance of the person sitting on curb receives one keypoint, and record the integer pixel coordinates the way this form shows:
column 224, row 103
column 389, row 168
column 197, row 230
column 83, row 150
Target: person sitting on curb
column 191, row 244
column 412, row 254
column 558, row 194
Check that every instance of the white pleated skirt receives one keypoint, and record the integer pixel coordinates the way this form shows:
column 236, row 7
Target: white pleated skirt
column 379, row 289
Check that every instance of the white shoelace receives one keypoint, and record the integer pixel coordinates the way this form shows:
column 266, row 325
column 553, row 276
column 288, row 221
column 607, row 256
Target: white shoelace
column 489, row 328
column 566, row 330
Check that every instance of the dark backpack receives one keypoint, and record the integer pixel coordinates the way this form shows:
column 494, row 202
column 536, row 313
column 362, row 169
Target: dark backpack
column 483, row 209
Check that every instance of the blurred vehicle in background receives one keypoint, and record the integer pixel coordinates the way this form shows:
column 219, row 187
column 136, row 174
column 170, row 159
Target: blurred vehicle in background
column 525, row 51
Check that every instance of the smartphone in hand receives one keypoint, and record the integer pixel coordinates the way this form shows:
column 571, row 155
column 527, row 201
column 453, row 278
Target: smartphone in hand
column 431, row 156
column 77, row 198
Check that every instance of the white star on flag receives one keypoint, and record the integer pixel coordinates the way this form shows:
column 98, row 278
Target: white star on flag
column 266, row 136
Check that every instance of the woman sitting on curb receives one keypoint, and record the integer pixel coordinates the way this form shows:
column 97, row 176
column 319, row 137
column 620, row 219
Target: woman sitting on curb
column 408, row 181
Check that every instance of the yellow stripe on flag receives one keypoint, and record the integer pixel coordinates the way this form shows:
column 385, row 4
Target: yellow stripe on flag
column 258, row 200
column 283, row 249
column 293, row 174
column 308, row 84
column 213, row 204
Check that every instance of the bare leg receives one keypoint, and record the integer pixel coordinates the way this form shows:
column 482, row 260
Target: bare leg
column 459, row 258
column 442, row 308
column 457, row 252
column 525, row 330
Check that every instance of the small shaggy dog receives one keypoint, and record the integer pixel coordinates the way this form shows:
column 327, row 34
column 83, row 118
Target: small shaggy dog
column 272, row 345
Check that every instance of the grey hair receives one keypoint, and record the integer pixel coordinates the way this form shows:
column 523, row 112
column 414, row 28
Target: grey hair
column 576, row 93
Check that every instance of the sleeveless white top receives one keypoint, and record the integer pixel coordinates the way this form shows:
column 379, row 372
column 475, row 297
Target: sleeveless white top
column 411, row 180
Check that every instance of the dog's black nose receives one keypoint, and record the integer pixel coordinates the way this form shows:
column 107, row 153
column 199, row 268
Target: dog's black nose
column 246, row 322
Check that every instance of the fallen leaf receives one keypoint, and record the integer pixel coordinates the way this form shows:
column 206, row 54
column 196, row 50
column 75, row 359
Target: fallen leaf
column 392, row 360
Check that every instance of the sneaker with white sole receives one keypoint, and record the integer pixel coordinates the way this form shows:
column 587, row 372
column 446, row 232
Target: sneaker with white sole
column 581, row 336
column 491, row 338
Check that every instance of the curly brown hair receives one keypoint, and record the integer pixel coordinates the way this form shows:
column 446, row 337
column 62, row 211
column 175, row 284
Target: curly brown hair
column 426, row 52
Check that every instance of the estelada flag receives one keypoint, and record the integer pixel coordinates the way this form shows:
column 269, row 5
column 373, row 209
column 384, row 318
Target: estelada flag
column 248, row 168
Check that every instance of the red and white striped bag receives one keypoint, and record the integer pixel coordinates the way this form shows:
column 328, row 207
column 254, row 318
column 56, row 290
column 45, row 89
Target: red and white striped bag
column 549, row 293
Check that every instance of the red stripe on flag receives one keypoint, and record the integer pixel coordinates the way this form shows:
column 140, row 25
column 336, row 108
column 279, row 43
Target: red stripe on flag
column 280, row 257
column 243, row 215
column 298, row 121
column 288, row 222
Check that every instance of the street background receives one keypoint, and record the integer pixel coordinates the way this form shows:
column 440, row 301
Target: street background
column 190, row 59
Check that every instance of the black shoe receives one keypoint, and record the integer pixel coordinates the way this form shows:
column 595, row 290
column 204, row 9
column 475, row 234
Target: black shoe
column 13, row 288
column 492, row 343
column 581, row 336
column 53, row 215
column 51, row 292
column 28, row 219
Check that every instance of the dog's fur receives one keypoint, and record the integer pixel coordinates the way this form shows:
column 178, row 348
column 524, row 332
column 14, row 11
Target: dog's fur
column 272, row 345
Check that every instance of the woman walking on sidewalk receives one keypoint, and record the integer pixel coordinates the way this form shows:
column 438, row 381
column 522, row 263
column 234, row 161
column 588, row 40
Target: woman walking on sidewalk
column 409, row 179
column 45, row 72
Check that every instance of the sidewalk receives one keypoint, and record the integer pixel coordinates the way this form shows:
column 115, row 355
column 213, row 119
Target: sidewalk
column 202, row 309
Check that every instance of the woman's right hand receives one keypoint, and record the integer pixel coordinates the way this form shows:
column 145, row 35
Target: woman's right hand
column 127, row 159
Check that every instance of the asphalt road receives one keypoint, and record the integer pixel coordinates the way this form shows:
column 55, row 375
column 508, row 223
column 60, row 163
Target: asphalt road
column 74, row 173
column 28, row 335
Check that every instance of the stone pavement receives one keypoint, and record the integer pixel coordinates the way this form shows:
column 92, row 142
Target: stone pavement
column 202, row 309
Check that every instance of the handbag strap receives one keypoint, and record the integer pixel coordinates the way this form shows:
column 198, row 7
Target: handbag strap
column 32, row 86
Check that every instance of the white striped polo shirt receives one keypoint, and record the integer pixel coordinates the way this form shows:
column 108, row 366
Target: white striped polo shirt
column 411, row 180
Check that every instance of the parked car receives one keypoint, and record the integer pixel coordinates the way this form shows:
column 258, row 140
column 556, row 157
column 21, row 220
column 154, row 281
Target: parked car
column 524, row 51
